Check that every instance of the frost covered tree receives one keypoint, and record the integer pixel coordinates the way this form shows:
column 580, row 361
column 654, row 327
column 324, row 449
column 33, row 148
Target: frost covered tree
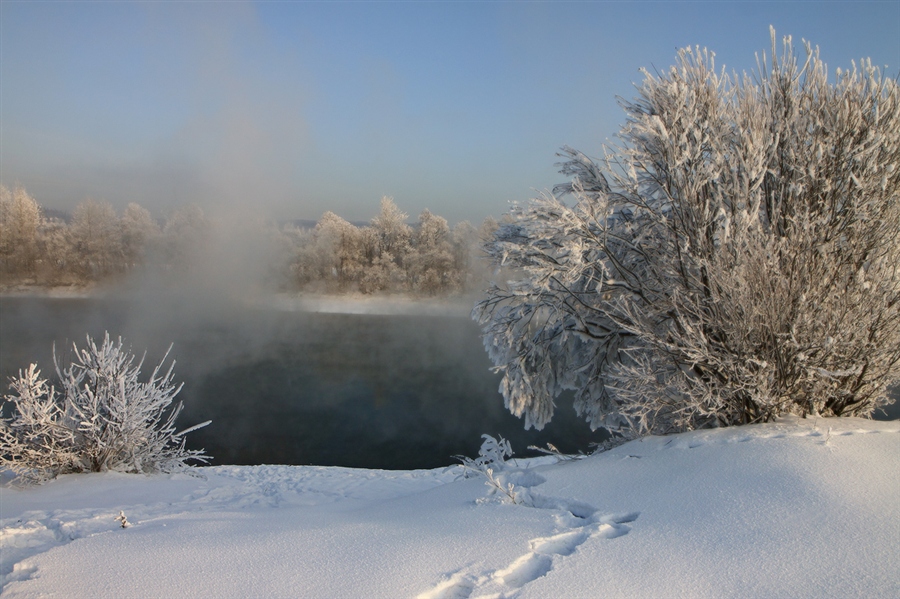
column 185, row 236
column 464, row 239
column 430, row 262
column 20, row 216
column 393, row 233
column 95, row 240
column 334, row 254
column 138, row 231
column 735, row 257
column 101, row 417
column 53, row 252
column 40, row 247
column 390, row 225
column 319, row 258
column 383, row 250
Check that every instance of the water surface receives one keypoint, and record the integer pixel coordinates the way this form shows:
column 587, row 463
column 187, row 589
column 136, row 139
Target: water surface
column 293, row 387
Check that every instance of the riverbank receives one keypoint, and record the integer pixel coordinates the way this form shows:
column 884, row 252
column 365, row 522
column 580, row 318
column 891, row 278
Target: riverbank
column 382, row 305
column 349, row 303
column 797, row 508
column 69, row 291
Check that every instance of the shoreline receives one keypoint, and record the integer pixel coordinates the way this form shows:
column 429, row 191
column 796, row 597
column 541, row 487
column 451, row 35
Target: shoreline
column 63, row 292
column 350, row 303
column 381, row 305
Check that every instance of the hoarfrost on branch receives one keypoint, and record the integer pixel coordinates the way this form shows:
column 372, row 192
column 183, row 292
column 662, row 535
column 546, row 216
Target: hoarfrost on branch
column 734, row 258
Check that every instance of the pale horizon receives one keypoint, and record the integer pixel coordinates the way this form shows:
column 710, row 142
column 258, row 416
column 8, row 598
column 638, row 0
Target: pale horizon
column 294, row 109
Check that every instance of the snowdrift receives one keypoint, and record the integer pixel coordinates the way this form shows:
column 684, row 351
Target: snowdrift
column 796, row 508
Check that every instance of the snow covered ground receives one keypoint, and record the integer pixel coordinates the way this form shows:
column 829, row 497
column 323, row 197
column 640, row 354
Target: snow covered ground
column 382, row 305
column 797, row 508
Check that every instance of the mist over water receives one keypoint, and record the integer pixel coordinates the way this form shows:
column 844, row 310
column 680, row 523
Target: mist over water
column 284, row 385
column 295, row 387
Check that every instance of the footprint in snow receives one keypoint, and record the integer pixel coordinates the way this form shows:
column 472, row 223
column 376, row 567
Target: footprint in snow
column 530, row 566
column 457, row 586
column 564, row 543
column 544, row 550
column 539, row 560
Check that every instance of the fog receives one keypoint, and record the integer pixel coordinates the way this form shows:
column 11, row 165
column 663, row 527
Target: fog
column 383, row 381
column 226, row 136
column 286, row 386
column 372, row 381
column 179, row 104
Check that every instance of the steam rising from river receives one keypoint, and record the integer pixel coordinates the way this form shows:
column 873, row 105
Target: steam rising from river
column 285, row 386
column 356, row 381
column 353, row 381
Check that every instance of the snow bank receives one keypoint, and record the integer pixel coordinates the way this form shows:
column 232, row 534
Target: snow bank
column 380, row 305
column 798, row 508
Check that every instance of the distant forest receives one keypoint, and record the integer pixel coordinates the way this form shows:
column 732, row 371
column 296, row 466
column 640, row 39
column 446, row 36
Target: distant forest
column 96, row 245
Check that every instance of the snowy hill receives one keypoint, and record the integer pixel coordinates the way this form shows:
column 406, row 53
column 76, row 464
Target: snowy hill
column 798, row 508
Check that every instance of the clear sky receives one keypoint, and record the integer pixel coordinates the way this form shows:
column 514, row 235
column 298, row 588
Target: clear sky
column 295, row 108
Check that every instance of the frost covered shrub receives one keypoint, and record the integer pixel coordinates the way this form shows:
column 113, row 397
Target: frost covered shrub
column 491, row 464
column 735, row 257
column 492, row 454
column 101, row 418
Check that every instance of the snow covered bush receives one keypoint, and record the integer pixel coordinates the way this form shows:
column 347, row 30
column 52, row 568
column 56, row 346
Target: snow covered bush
column 491, row 454
column 102, row 418
column 491, row 464
column 735, row 257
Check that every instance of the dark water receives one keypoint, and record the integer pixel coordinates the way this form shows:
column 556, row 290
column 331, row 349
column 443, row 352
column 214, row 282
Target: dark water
column 287, row 387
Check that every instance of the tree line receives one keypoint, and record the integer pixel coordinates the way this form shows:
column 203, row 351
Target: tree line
column 95, row 244
column 390, row 255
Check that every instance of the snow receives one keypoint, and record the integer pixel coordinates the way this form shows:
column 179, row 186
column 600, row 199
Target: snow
column 380, row 305
column 796, row 508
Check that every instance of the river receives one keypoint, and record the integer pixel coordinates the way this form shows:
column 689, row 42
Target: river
column 286, row 386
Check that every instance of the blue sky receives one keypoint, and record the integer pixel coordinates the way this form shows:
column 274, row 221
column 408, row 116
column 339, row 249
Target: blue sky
column 295, row 108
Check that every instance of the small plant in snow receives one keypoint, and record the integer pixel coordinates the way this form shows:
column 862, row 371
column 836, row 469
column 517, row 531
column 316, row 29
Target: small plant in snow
column 491, row 464
column 101, row 418
column 121, row 518
column 552, row 450
column 607, row 444
column 493, row 454
column 508, row 491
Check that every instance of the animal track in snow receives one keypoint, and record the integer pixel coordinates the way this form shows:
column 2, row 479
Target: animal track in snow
column 545, row 550
column 565, row 543
column 528, row 567
column 37, row 532
column 543, row 553
column 457, row 586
